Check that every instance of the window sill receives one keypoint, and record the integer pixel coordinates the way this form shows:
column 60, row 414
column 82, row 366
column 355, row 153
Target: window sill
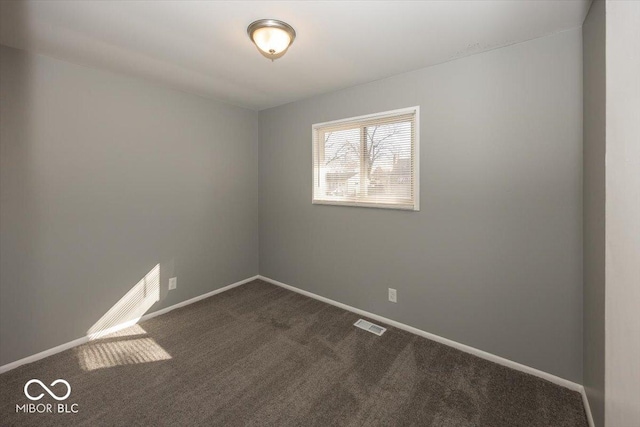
column 402, row 207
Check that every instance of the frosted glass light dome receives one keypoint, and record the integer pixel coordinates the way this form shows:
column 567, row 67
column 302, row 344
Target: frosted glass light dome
column 271, row 37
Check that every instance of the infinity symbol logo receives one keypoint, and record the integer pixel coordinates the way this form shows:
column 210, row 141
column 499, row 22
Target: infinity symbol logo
column 52, row 394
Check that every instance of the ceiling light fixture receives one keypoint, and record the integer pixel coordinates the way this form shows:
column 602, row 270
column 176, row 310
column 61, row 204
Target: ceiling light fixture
column 271, row 37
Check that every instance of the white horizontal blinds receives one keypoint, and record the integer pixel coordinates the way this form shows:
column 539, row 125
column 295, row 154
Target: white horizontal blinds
column 366, row 161
column 388, row 170
column 338, row 166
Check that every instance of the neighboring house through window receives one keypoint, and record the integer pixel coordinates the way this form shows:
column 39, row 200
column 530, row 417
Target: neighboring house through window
column 369, row 161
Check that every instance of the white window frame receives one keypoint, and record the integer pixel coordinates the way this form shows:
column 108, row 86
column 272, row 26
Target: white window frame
column 415, row 160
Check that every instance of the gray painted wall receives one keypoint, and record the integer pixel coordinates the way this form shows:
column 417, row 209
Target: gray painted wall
column 622, row 330
column 594, row 120
column 494, row 257
column 102, row 178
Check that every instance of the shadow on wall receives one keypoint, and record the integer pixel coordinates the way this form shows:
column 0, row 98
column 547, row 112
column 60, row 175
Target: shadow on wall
column 131, row 307
column 121, row 340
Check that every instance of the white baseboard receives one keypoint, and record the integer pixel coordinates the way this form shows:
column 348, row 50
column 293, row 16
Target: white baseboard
column 587, row 408
column 198, row 298
column 463, row 347
column 85, row 339
column 43, row 354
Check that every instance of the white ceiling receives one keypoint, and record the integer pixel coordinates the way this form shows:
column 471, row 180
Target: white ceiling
column 202, row 46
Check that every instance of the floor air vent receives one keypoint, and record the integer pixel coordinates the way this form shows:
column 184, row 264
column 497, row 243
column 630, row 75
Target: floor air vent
column 368, row 326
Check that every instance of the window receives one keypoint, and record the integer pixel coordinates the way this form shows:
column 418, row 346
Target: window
column 369, row 161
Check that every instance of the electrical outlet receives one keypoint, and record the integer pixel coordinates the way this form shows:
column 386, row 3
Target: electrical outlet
column 393, row 295
column 173, row 283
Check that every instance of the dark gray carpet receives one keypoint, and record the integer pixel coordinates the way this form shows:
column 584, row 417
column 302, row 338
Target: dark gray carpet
column 261, row 355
